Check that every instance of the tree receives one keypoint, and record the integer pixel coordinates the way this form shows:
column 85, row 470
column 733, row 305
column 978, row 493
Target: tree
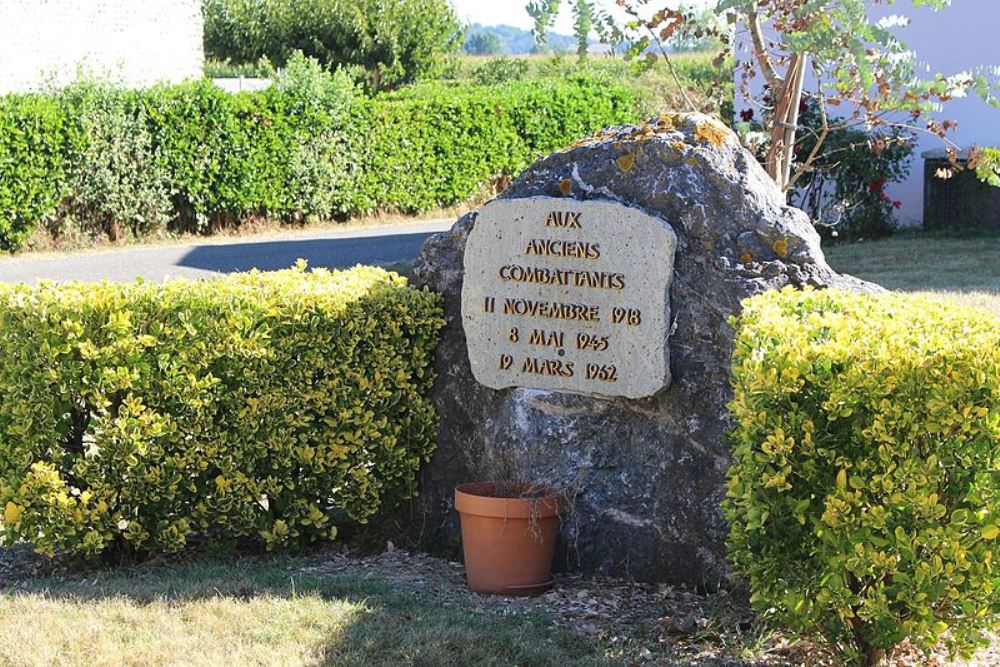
column 847, row 57
column 853, row 61
column 396, row 42
column 483, row 43
column 585, row 16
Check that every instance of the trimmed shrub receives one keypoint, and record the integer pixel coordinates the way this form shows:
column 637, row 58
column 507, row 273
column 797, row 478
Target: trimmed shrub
column 437, row 145
column 277, row 405
column 34, row 140
column 225, row 153
column 198, row 158
column 230, row 156
column 863, row 495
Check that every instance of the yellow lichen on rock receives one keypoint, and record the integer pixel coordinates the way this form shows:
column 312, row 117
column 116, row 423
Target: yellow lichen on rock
column 712, row 132
column 565, row 186
column 669, row 121
column 626, row 162
column 780, row 248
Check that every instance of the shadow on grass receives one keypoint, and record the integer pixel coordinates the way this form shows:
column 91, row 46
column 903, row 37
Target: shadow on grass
column 344, row 619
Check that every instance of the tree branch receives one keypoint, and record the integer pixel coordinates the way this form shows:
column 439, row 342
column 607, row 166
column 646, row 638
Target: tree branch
column 823, row 134
column 766, row 66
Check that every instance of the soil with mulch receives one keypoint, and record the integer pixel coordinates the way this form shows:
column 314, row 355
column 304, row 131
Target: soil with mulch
column 20, row 562
column 640, row 623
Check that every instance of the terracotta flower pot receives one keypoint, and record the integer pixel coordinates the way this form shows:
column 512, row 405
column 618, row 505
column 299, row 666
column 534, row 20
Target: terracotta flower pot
column 508, row 535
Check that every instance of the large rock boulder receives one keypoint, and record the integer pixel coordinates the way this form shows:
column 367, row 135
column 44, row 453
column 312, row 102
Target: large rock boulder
column 646, row 476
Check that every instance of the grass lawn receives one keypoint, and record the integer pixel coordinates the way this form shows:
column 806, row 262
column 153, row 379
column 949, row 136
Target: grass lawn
column 260, row 612
column 963, row 270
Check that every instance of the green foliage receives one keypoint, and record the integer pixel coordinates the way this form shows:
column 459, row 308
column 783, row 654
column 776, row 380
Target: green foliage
column 118, row 183
column 275, row 405
column 501, row 70
column 396, row 42
column 224, row 69
column 439, row 145
column 988, row 166
column 844, row 192
column 483, row 43
column 863, row 496
column 193, row 157
column 35, row 136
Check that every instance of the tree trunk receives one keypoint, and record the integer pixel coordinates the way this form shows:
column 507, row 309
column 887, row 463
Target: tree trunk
column 784, row 122
column 871, row 656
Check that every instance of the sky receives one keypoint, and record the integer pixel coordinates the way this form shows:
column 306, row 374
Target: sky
column 506, row 12
column 511, row 12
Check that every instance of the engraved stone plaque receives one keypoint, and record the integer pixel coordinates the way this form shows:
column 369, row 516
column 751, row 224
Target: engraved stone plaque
column 569, row 296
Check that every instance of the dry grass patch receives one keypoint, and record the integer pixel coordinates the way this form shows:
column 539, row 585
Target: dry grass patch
column 271, row 611
column 40, row 628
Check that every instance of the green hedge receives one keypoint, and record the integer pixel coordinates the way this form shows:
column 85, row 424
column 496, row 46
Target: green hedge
column 864, row 492
column 310, row 146
column 135, row 416
column 437, row 145
column 35, row 139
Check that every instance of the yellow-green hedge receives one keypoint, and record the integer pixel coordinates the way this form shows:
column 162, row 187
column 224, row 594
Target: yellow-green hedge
column 264, row 404
column 864, row 492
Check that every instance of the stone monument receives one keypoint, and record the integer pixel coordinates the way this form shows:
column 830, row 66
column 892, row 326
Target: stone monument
column 587, row 342
column 568, row 296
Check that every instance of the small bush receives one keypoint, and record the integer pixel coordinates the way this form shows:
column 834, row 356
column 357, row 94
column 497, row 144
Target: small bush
column 276, row 405
column 501, row 70
column 845, row 191
column 863, row 495
column 118, row 183
column 224, row 69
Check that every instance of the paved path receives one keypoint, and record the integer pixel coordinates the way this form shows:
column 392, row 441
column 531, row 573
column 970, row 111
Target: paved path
column 385, row 244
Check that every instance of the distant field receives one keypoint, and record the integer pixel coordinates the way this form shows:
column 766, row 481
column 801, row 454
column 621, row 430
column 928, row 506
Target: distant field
column 655, row 84
column 965, row 270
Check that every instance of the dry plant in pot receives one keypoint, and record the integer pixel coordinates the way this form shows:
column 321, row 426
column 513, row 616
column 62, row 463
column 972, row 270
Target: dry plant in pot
column 509, row 533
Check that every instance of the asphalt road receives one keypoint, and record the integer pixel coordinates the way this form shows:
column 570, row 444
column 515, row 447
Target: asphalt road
column 386, row 244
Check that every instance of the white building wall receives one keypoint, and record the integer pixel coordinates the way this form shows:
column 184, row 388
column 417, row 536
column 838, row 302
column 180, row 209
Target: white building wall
column 134, row 42
column 961, row 37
